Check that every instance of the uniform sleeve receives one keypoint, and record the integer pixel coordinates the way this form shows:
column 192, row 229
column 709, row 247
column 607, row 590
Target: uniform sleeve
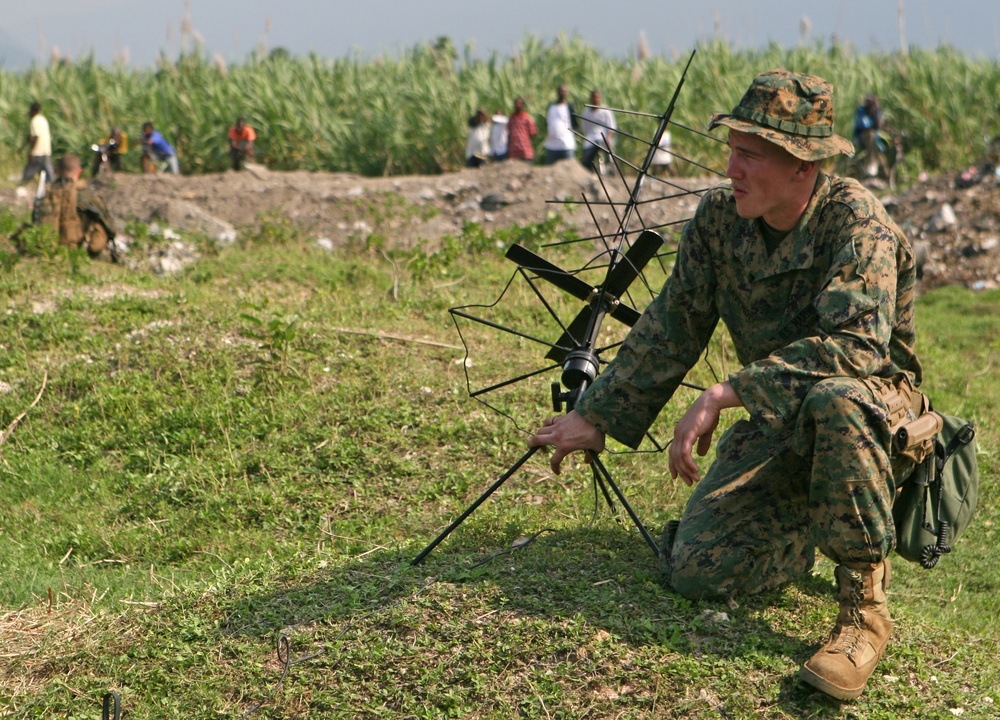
column 855, row 310
column 660, row 349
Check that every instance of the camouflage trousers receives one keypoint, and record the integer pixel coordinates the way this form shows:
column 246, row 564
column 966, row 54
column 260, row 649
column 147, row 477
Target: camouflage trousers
column 771, row 497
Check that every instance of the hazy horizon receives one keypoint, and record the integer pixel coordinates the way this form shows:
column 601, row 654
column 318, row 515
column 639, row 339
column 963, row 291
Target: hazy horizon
column 138, row 31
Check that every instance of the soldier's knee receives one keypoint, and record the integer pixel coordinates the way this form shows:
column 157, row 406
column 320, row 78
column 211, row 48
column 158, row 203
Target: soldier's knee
column 693, row 586
column 833, row 396
column 697, row 575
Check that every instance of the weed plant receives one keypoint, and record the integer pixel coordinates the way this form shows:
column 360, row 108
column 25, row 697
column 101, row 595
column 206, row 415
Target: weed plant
column 213, row 484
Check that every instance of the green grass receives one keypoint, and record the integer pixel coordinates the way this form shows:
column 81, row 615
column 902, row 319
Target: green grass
column 214, row 502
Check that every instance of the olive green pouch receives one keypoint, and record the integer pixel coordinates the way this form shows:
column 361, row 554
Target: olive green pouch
column 935, row 504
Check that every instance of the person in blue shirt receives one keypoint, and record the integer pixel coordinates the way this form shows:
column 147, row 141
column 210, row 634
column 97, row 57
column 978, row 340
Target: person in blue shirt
column 867, row 123
column 155, row 148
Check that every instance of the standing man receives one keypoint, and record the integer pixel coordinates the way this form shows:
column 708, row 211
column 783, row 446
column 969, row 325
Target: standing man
column 521, row 129
column 663, row 157
column 598, row 131
column 155, row 148
column 815, row 284
column 868, row 120
column 477, row 144
column 39, row 145
column 560, row 143
column 241, row 137
column 498, row 137
column 76, row 212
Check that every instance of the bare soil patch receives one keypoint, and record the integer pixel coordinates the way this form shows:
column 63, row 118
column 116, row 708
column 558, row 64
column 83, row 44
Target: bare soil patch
column 955, row 230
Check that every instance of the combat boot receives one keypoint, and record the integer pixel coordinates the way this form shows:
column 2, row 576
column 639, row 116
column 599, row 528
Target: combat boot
column 841, row 667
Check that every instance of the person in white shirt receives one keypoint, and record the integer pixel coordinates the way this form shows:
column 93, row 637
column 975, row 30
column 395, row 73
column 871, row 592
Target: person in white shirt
column 599, row 126
column 39, row 144
column 663, row 159
column 477, row 145
column 560, row 143
column 498, row 137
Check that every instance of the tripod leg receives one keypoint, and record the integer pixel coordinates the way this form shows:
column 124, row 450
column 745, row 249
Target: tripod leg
column 599, row 482
column 595, row 460
column 469, row 510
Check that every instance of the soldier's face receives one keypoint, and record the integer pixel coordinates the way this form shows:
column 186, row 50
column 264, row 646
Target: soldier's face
column 762, row 178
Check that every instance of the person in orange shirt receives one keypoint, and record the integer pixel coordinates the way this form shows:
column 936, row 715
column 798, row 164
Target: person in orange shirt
column 241, row 137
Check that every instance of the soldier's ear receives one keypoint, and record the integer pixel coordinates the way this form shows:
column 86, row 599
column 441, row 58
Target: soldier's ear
column 806, row 167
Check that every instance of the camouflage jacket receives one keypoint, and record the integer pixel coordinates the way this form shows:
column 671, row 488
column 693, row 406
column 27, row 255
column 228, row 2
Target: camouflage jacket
column 835, row 299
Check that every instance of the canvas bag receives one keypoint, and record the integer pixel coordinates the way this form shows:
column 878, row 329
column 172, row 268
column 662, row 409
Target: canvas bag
column 935, row 504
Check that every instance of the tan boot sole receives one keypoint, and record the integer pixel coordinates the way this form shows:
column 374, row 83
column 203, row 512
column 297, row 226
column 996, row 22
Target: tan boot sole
column 810, row 678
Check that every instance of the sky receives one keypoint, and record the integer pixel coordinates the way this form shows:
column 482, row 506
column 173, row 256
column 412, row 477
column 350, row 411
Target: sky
column 138, row 31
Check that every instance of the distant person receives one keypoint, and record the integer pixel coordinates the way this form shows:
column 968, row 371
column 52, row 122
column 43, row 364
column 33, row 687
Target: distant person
column 867, row 117
column 560, row 143
column 241, row 138
column 39, row 146
column 599, row 127
column 868, row 121
column 110, row 150
column 663, row 158
column 498, row 136
column 76, row 212
column 477, row 144
column 156, row 149
column 521, row 129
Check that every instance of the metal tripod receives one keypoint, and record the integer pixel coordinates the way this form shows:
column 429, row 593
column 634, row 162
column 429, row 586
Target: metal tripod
column 580, row 365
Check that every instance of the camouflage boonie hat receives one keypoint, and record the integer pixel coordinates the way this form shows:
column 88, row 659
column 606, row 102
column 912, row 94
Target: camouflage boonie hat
column 791, row 110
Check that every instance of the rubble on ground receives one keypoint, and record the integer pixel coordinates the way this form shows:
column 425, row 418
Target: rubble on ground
column 952, row 221
column 954, row 230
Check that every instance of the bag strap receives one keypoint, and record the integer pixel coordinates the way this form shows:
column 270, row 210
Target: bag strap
column 963, row 437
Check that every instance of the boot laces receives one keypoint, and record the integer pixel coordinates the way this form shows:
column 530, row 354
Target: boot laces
column 852, row 635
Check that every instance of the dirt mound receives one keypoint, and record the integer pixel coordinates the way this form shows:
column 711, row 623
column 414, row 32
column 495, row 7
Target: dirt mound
column 955, row 230
column 403, row 210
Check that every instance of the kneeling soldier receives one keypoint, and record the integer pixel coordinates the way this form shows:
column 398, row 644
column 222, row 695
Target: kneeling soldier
column 76, row 211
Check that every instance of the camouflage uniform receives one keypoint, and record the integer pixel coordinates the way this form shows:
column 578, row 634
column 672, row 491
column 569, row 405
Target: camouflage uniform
column 78, row 214
column 820, row 326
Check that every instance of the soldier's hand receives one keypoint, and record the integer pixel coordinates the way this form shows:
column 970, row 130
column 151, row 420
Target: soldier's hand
column 567, row 433
column 696, row 428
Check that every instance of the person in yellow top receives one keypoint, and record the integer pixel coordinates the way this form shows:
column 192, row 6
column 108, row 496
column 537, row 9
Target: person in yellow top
column 110, row 150
column 241, row 137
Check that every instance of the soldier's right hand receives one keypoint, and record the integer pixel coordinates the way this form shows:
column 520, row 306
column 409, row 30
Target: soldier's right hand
column 567, row 433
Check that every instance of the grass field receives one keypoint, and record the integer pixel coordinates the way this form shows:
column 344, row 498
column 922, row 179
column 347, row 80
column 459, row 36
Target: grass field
column 213, row 484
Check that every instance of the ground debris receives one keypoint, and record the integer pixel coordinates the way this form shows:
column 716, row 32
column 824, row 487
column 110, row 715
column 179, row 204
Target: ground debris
column 954, row 227
column 954, row 230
